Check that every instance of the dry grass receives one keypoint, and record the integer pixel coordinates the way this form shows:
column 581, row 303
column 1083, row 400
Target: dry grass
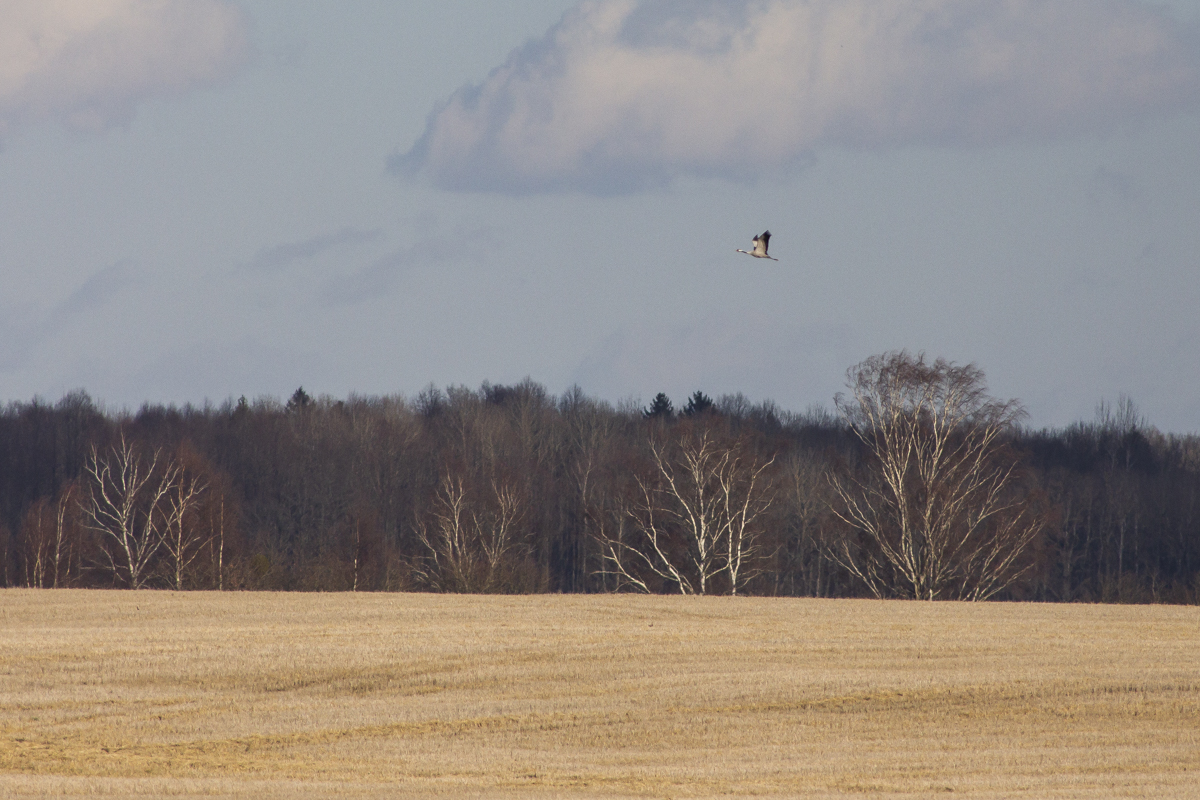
column 273, row 695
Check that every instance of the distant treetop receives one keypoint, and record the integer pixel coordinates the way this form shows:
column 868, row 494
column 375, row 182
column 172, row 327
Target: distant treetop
column 299, row 400
column 698, row 403
column 660, row 408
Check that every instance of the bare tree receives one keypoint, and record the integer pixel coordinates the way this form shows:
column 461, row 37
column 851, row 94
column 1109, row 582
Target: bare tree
column 49, row 534
column 357, row 549
column 66, row 530
column 213, row 524
column 936, row 512
column 467, row 540
column 745, row 496
column 50, row 538
column 591, row 447
column 696, row 516
column 126, row 503
column 217, row 541
column 802, row 565
column 451, row 562
column 182, row 539
column 37, row 545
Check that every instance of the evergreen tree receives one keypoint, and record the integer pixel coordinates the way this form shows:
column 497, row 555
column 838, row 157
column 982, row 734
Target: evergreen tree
column 300, row 400
column 698, row 403
column 660, row 408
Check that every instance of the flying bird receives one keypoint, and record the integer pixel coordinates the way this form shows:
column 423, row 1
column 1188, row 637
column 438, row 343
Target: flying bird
column 760, row 246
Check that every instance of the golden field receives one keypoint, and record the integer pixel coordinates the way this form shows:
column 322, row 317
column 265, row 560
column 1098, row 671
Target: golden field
column 201, row 695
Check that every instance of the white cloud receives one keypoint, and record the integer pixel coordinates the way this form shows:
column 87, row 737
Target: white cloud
column 625, row 93
column 87, row 62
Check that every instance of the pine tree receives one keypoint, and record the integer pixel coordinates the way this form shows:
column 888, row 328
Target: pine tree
column 300, row 400
column 660, row 408
column 698, row 403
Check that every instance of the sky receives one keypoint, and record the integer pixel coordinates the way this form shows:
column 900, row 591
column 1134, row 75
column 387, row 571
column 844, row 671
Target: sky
column 205, row 199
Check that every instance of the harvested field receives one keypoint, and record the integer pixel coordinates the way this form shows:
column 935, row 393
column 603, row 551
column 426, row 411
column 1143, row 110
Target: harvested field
column 309, row 695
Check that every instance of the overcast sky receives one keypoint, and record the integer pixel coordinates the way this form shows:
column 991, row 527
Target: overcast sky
column 202, row 199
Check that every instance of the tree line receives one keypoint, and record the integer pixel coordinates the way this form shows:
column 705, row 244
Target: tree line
column 917, row 484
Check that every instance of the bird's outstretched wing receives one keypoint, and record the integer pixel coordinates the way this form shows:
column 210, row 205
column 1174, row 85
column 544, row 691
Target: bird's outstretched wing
column 765, row 238
column 761, row 242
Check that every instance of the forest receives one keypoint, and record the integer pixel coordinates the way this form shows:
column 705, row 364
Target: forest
column 916, row 484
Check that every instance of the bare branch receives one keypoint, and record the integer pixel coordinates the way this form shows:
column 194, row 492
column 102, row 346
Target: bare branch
column 937, row 512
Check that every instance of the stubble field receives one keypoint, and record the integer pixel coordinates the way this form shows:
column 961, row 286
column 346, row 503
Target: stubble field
column 305, row 695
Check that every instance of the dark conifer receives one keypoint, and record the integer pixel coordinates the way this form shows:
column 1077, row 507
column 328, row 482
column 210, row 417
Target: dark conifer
column 698, row 403
column 300, row 400
column 660, row 408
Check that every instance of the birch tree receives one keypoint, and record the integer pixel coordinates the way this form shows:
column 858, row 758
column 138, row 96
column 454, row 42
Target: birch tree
column 936, row 510
column 696, row 516
column 126, row 504
column 38, row 545
column 182, row 538
column 49, row 535
column 66, row 531
column 468, row 539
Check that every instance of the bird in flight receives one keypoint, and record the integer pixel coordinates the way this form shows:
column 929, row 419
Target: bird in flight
column 760, row 246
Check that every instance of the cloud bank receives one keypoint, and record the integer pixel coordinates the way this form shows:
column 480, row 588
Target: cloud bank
column 622, row 94
column 87, row 62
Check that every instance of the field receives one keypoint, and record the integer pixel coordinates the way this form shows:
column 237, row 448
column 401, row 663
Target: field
column 310, row 695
